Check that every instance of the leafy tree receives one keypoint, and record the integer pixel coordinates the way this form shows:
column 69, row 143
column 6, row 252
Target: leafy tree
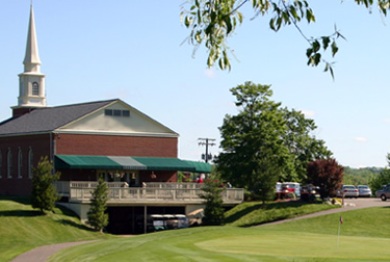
column 212, row 21
column 301, row 144
column 360, row 176
column 97, row 217
column 44, row 194
column 382, row 179
column 254, row 154
column 264, row 143
column 213, row 211
column 325, row 173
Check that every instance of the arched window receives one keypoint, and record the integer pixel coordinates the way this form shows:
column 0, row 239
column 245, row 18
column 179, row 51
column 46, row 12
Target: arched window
column 9, row 163
column 35, row 89
column 20, row 162
column 30, row 163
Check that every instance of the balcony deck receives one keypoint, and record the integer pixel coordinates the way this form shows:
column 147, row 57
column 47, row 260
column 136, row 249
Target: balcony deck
column 150, row 193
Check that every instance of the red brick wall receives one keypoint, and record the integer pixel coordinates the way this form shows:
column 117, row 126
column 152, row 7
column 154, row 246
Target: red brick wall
column 116, row 145
column 78, row 145
column 40, row 145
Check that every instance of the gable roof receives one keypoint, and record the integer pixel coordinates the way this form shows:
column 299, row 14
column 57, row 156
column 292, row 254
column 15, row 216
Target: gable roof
column 47, row 119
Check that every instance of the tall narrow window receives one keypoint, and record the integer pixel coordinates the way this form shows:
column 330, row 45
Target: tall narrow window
column 9, row 163
column 1, row 165
column 30, row 163
column 20, row 163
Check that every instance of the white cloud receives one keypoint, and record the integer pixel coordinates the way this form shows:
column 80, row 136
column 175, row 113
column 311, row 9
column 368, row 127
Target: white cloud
column 360, row 139
column 210, row 73
column 387, row 120
column 308, row 113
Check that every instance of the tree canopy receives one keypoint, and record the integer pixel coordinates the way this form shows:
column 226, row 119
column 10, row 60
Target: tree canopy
column 264, row 143
column 302, row 145
column 382, row 179
column 97, row 217
column 327, row 174
column 212, row 22
column 44, row 194
column 211, row 194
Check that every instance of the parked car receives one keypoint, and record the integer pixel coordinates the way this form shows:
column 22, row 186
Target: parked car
column 348, row 191
column 383, row 193
column 309, row 192
column 364, row 191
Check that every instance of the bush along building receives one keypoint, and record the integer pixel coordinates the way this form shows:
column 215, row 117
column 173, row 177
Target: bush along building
column 136, row 155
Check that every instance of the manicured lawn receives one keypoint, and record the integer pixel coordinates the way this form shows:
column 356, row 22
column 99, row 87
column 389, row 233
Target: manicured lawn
column 364, row 236
column 254, row 213
column 22, row 228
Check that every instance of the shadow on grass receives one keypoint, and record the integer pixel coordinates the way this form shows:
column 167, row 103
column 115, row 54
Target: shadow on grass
column 268, row 206
column 20, row 213
column 74, row 224
column 20, row 200
column 65, row 211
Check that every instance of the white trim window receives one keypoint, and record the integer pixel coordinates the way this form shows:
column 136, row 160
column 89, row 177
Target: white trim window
column 20, row 163
column 9, row 163
column 30, row 163
column 1, row 164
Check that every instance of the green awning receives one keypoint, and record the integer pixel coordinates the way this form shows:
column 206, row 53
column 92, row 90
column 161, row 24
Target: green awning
column 122, row 163
column 128, row 162
column 200, row 167
column 164, row 163
column 97, row 162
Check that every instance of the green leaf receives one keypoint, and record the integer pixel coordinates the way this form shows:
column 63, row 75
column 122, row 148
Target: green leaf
column 334, row 48
column 228, row 24
column 316, row 46
column 187, row 21
column 325, row 42
column 309, row 52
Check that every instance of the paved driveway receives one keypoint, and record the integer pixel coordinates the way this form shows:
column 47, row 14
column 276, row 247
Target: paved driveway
column 41, row 254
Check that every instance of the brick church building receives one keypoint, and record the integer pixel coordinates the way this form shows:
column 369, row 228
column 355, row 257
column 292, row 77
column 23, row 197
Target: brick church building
column 109, row 138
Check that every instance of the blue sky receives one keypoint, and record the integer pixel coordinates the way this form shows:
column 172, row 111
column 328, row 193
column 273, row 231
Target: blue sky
column 132, row 50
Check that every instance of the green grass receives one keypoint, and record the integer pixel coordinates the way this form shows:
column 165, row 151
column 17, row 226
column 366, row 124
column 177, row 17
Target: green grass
column 23, row 228
column 254, row 213
column 364, row 236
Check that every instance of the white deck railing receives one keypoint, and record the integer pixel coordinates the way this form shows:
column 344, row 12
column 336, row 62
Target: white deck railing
column 150, row 193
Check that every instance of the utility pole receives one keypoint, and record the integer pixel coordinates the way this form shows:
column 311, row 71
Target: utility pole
column 206, row 142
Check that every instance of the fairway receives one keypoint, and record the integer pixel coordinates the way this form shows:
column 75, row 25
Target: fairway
column 302, row 245
column 364, row 236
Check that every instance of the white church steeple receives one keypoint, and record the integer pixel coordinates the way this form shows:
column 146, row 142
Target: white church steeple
column 32, row 92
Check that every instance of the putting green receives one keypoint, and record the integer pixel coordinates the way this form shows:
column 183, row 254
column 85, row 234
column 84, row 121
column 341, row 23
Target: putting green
column 302, row 245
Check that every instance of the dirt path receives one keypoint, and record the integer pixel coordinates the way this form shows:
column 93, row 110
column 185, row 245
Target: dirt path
column 43, row 253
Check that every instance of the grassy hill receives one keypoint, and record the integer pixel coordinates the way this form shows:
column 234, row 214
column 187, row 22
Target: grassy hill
column 22, row 228
column 364, row 236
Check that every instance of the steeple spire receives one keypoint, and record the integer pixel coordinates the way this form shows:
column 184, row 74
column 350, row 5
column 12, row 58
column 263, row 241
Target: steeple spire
column 31, row 60
column 32, row 92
